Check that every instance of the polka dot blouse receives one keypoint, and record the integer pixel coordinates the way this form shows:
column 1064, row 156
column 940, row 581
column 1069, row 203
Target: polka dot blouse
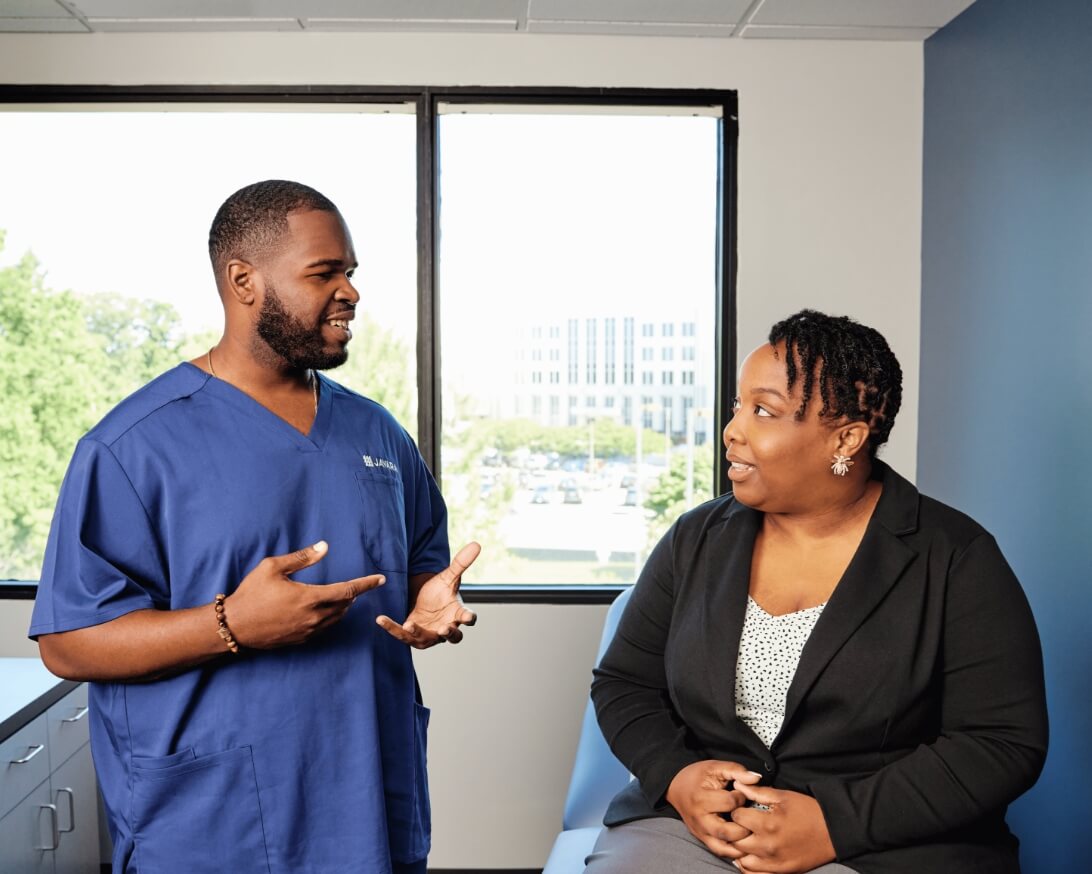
column 769, row 651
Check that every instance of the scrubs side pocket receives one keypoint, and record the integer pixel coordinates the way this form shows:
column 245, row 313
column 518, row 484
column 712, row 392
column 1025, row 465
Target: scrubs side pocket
column 384, row 505
column 198, row 814
column 413, row 840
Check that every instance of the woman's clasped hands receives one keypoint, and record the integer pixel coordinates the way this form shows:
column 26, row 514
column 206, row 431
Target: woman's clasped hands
column 789, row 837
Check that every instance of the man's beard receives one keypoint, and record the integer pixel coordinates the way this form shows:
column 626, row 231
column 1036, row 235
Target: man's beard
column 301, row 346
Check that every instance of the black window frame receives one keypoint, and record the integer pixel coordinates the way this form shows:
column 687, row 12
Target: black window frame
column 426, row 101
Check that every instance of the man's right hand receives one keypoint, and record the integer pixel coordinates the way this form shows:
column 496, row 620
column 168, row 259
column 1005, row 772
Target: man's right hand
column 700, row 793
column 269, row 609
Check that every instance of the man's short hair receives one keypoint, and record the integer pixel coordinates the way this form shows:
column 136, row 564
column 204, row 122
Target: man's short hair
column 255, row 218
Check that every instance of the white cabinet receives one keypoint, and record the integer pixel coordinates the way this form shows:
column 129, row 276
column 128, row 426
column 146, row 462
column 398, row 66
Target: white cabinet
column 76, row 798
column 48, row 796
column 24, row 831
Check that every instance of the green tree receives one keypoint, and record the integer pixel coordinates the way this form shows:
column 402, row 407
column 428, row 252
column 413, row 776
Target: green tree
column 667, row 498
column 64, row 361
column 380, row 367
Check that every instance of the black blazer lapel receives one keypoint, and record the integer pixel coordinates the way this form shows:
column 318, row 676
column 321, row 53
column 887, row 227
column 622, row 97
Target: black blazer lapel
column 877, row 565
column 726, row 571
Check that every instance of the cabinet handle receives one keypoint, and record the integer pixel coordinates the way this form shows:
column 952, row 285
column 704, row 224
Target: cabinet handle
column 52, row 808
column 33, row 751
column 79, row 715
column 71, row 809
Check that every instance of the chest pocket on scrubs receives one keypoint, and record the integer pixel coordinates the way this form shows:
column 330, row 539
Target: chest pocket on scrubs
column 384, row 505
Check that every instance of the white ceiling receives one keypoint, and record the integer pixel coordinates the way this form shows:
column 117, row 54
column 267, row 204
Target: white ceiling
column 913, row 20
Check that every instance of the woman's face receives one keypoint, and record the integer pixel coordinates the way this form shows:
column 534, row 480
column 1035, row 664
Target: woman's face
column 778, row 463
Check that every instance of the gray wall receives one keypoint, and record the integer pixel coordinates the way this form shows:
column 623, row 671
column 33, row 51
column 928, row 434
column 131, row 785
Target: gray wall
column 1006, row 353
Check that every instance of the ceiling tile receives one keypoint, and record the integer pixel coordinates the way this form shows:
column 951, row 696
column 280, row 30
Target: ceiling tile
column 412, row 25
column 860, row 13
column 198, row 25
column 41, row 25
column 910, row 34
column 631, row 28
column 640, row 11
column 330, row 9
column 32, row 9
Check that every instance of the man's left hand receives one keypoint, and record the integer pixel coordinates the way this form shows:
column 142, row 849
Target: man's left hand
column 790, row 837
column 437, row 610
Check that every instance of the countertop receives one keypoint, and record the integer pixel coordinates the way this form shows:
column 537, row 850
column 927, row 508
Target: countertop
column 27, row 690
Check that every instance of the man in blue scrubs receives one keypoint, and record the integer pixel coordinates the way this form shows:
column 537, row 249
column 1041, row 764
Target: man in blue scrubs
column 242, row 553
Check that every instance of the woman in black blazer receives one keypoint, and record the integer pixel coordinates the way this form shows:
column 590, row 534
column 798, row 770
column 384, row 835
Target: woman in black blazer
column 825, row 670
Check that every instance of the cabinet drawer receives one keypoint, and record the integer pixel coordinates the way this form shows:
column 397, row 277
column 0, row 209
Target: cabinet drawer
column 24, row 763
column 68, row 730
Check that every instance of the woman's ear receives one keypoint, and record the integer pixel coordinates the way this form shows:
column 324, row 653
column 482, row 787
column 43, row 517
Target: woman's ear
column 240, row 281
column 851, row 438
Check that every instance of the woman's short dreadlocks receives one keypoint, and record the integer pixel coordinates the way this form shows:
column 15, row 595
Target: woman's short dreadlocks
column 858, row 375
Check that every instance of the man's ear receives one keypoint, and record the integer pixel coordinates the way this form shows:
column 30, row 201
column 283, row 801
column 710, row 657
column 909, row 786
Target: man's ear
column 851, row 438
column 239, row 278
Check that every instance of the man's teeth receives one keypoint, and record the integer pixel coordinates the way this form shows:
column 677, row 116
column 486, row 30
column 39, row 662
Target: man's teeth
column 339, row 323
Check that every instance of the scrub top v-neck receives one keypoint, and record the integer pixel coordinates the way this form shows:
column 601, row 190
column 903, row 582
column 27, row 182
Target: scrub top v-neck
column 300, row 759
column 312, row 441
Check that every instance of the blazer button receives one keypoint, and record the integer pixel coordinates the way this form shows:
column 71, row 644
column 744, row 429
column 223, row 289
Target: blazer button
column 768, row 765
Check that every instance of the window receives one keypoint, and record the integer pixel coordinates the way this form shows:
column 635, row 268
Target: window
column 608, row 352
column 627, row 356
column 531, row 230
column 667, row 353
column 574, row 340
column 668, row 378
column 592, row 336
column 133, row 258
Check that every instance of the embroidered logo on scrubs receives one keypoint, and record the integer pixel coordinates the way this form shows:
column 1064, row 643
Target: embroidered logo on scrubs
column 372, row 461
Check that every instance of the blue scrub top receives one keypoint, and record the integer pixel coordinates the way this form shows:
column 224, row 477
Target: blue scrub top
column 302, row 759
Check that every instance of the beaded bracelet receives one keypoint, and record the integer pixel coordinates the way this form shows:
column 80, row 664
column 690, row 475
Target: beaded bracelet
column 223, row 630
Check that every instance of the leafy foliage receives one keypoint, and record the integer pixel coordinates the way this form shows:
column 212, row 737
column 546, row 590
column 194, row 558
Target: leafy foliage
column 64, row 361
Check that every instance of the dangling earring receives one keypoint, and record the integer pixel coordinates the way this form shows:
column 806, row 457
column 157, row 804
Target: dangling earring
column 842, row 464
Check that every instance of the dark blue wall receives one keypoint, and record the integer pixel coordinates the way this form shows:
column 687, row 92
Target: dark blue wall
column 1006, row 381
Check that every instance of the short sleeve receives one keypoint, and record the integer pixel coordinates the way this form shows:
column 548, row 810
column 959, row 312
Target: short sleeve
column 426, row 520
column 102, row 559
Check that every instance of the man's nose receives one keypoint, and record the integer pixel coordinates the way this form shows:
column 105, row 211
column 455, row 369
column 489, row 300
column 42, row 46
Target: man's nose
column 348, row 292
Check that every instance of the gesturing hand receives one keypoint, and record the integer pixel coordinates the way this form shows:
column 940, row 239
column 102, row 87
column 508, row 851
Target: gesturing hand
column 700, row 793
column 438, row 610
column 790, row 837
column 270, row 610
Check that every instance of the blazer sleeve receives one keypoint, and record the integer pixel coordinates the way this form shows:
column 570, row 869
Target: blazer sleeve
column 993, row 736
column 629, row 689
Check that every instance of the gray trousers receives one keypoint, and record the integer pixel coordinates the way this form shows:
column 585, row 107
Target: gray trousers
column 661, row 845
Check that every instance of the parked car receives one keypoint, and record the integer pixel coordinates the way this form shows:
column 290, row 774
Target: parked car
column 572, row 496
